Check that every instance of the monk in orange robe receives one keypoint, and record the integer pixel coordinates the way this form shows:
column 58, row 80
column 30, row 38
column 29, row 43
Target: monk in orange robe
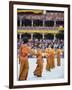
column 58, row 57
column 52, row 57
column 39, row 68
column 23, row 59
column 48, row 57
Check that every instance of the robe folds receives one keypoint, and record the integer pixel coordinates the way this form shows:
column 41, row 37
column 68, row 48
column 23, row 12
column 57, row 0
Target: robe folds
column 39, row 68
column 52, row 58
column 48, row 58
column 58, row 57
column 23, row 59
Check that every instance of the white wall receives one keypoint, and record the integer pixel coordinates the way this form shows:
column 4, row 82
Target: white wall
column 4, row 44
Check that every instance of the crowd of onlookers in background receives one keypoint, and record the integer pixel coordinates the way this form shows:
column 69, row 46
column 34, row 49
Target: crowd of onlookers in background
column 44, row 43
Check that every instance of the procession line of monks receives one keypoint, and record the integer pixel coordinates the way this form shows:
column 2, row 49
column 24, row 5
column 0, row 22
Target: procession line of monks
column 24, row 65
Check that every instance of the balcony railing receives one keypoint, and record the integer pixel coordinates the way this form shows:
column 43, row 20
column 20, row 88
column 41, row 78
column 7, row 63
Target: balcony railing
column 36, row 28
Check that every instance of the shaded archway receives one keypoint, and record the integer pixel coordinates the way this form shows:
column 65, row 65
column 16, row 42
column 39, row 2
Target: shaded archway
column 60, row 36
column 49, row 36
column 37, row 36
column 26, row 22
column 26, row 35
